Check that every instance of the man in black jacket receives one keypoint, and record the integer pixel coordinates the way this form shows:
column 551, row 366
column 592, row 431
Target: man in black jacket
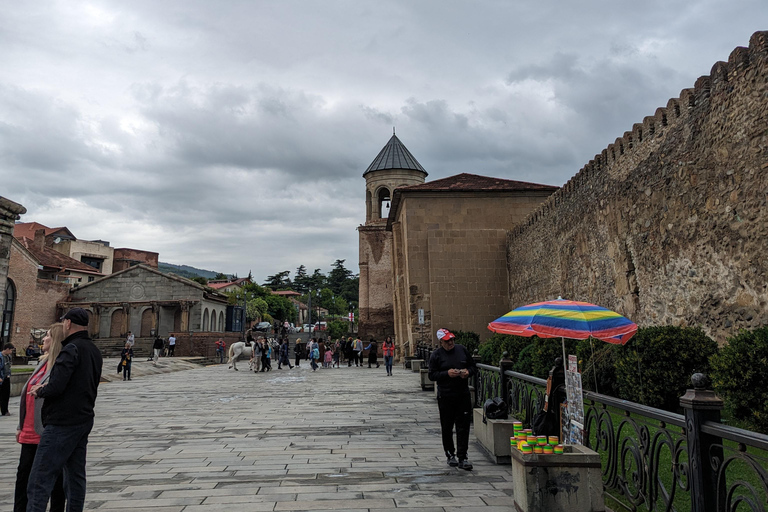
column 450, row 366
column 67, row 415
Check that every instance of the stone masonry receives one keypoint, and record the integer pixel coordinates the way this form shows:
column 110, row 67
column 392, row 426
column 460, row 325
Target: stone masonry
column 667, row 225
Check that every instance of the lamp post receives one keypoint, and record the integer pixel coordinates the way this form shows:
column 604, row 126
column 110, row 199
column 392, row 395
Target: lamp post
column 309, row 313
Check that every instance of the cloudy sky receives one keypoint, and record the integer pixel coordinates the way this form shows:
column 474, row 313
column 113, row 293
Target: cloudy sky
column 232, row 135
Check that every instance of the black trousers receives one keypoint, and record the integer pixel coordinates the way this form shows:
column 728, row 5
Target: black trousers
column 5, row 395
column 26, row 459
column 455, row 410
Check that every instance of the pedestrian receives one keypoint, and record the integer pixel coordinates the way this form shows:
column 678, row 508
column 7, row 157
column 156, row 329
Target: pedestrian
column 284, row 359
column 388, row 349
column 130, row 338
column 268, row 350
column 31, row 425
column 328, row 361
column 5, row 378
column 336, row 353
column 263, row 346
column 220, row 346
column 126, row 357
column 297, row 349
column 171, row 345
column 358, row 351
column 373, row 353
column 67, row 414
column 350, row 351
column 256, row 357
column 450, row 366
column 314, row 354
column 157, row 347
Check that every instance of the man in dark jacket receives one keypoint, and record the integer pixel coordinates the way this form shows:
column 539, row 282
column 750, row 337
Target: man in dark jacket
column 451, row 366
column 67, row 415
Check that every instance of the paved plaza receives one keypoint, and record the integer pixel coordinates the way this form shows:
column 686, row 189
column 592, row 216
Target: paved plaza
column 212, row 439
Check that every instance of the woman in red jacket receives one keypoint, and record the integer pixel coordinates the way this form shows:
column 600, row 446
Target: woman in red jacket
column 388, row 349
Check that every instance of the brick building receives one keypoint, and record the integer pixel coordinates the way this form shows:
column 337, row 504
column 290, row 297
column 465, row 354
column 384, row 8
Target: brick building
column 9, row 214
column 449, row 252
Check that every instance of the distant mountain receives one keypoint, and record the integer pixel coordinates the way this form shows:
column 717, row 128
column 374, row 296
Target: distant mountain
column 185, row 271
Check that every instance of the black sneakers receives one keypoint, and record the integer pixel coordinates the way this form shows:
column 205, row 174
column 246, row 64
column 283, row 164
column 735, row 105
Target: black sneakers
column 452, row 460
column 465, row 464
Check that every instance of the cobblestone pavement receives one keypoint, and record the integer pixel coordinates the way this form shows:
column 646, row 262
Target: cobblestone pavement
column 212, row 439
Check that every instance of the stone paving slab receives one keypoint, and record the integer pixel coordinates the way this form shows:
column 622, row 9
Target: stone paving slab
column 210, row 439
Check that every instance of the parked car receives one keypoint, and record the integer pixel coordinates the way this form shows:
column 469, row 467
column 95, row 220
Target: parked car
column 263, row 327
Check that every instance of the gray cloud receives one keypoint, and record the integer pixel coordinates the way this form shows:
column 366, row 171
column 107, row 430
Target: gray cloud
column 233, row 136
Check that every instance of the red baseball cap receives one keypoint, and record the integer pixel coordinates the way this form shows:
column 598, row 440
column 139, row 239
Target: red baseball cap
column 444, row 335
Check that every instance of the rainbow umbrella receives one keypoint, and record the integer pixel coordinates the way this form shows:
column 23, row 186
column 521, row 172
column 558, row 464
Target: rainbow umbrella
column 566, row 319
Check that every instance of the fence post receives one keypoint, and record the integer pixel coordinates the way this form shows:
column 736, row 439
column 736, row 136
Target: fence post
column 700, row 405
column 504, row 365
column 476, row 378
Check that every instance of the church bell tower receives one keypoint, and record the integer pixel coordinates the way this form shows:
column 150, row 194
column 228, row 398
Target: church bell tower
column 393, row 167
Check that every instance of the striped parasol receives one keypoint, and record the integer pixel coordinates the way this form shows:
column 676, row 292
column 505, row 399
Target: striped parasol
column 566, row 319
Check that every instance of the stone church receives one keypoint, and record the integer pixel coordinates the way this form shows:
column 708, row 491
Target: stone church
column 432, row 254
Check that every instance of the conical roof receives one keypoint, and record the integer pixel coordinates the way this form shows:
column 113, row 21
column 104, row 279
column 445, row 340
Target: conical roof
column 394, row 156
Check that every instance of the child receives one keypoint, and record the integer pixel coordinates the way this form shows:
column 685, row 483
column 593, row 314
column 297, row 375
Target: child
column 328, row 357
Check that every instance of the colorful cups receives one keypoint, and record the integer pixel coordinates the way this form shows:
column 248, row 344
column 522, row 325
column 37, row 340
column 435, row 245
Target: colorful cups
column 558, row 449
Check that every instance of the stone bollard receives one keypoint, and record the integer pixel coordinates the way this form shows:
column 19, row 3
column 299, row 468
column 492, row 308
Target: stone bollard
column 416, row 365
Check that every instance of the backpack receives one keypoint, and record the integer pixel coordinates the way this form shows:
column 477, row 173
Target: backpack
column 315, row 353
column 495, row 409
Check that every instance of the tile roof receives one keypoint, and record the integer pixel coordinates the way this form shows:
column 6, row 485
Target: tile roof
column 394, row 156
column 48, row 257
column 27, row 230
column 466, row 182
column 285, row 293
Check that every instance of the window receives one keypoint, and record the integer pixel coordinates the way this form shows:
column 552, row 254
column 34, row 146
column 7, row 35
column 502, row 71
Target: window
column 8, row 307
column 92, row 262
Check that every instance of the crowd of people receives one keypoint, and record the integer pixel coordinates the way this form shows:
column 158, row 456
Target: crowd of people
column 319, row 352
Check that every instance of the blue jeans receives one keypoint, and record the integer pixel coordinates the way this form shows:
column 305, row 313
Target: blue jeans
column 388, row 363
column 61, row 447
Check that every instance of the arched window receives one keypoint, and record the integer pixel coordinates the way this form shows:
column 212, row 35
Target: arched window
column 221, row 321
column 205, row 320
column 384, row 202
column 8, row 307
column 213, row 320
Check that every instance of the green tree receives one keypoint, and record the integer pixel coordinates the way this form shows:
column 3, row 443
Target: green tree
column 220, row 277
column 317, row 280
column 279, row 281
column 339, row 306
column 338, row 277
column 200, row 279
column 300, row 283
column 337, row 329
column 256, row 308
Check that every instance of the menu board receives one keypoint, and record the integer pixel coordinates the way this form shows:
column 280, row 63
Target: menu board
column 573, row 391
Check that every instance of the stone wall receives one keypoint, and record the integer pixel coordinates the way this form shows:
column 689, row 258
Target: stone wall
column 9, row 214
column 201, row 344
column 668, row 225
column 36, row 299
column 376, row 318
column 449, row 260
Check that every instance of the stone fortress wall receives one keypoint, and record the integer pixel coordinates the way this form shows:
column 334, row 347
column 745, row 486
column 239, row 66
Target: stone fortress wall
column 668, row 225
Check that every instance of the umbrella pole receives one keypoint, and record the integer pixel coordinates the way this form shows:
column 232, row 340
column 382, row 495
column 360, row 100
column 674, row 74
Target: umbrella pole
column 594, row 370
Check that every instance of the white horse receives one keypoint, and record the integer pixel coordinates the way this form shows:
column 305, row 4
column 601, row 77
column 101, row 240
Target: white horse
column 241, row 349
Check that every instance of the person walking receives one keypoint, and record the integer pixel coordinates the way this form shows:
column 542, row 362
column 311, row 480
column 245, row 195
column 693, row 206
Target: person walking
column 171, row 345
column 337, row 353
column 220, row 346
column 5, row 378
column 157, row 347
column 256, row 358
column 328, row 357
column 349, row 351
column 67, row 414
column 130, row 338
column 31, row 425
column 451, row 366
column 358, row 352
column 373, row 353
column 126, row 357
column 284, row 359
column 264, row 348
column 314, row 354
column 297, row 348
column 388, row 349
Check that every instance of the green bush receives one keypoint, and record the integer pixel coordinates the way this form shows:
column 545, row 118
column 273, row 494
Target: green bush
column 492, row 349
column 655, row 367
column 337, row 329
column 543, row 352
column 597, row 361
column 469, row 339
column 739, row 374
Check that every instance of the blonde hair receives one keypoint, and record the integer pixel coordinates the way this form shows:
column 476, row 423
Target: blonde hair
column 56, row 332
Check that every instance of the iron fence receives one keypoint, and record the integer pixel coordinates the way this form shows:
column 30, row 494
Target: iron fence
column 653, row 459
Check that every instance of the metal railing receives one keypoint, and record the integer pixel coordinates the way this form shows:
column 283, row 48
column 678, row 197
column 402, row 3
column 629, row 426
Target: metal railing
column 653, row 459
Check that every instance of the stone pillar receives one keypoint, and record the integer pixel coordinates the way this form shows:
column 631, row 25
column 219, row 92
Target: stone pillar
column 126, row 319
column 701, row 405
column 184, row 327
column 96, row 320
column 9, row 214
column 504, row 365
column 155, row 318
